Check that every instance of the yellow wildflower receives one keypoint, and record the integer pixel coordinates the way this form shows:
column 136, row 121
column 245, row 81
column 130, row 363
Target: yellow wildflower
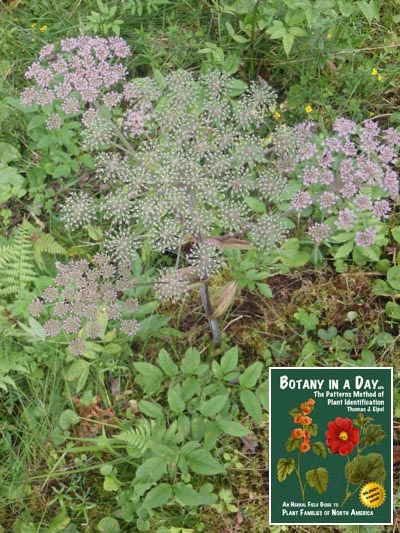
column 43, row 28
column 374, row 72
column 371, row 114
column 276, row 115
column 308, row 108
column 329, row 36
column 33, row 25
column 380, row 78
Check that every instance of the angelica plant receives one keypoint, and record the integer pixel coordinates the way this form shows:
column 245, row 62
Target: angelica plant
column 181, row 158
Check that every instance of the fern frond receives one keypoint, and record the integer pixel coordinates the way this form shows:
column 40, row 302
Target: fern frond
column 16, row 264
column 139, row 437
column 46, row 243
column 43, row 243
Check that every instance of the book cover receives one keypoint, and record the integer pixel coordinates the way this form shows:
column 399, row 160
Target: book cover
column 331, row 446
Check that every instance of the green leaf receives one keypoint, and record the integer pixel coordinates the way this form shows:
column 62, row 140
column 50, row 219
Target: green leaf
column 277, row 31
column 202, row 462
column 166, row 363
column 111, row 484
column 191, row 361
column 187, row 495
column 290, row 254
column 251, row 404
column 251, row 375
column 233, row 428
column 346, row 8
column 151, row 409
column 152, row 469
column 213, row 406
column 95, row 233
column 309, row 321
column 284, row 468
column 344, row 250
column 365, row 468
column 68, row 418
column 158, row 496
column 255, row 205
column 392, row 310
column 175, row 402
column 229, row 360
column 396, row 234
column 319, row 449
column 288, row 40
column 79, row 372
column 369, row 10
column 150, row 377
column 313, row 429
column 237, row 87
column 292, row 444
column 370, row 252
column 59, row 522
column 372, row 434
column 36, row 122
column 393, row 277
column 36, row 330
column 298, row 32
column 318, row 479
column 8, row 153
column 108, row 524
column 265, row 290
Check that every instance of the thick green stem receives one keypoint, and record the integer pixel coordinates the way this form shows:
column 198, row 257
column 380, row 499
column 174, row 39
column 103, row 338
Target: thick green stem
column 251, row 47
column 205, row 300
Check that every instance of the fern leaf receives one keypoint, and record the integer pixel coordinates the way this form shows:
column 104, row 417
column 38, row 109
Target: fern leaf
column 43, row 243
column 46, row 243
column 16, row 263
column 139, row 437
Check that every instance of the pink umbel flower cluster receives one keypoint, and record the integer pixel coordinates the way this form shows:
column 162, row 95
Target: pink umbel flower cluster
column 84, row 297
column 83, row 71
column 349, row 177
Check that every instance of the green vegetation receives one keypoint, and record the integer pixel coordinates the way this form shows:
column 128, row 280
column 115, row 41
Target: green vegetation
column 139, row 417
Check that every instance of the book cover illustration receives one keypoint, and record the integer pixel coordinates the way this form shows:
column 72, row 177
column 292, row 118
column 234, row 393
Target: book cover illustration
column 331, row 446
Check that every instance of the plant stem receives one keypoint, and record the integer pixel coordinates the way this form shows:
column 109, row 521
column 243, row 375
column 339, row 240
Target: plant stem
column 205, row 300
column 251, row 47
column 303, row 495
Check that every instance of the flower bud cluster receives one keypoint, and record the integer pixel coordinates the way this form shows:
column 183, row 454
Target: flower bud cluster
column 303, row 435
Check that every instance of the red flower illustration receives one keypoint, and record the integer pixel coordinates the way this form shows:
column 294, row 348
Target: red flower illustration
column 342, row 436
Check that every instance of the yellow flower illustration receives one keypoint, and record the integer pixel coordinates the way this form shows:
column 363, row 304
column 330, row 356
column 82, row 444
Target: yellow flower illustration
column 308, row 108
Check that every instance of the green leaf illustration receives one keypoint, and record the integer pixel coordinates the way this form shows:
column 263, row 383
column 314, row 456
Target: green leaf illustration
column 295, row 411
column 292, row 444
column 313, row 429
column 366, row 468
column 318, row 479
column 373, row 434
column 319, row 449
column 284, row 468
